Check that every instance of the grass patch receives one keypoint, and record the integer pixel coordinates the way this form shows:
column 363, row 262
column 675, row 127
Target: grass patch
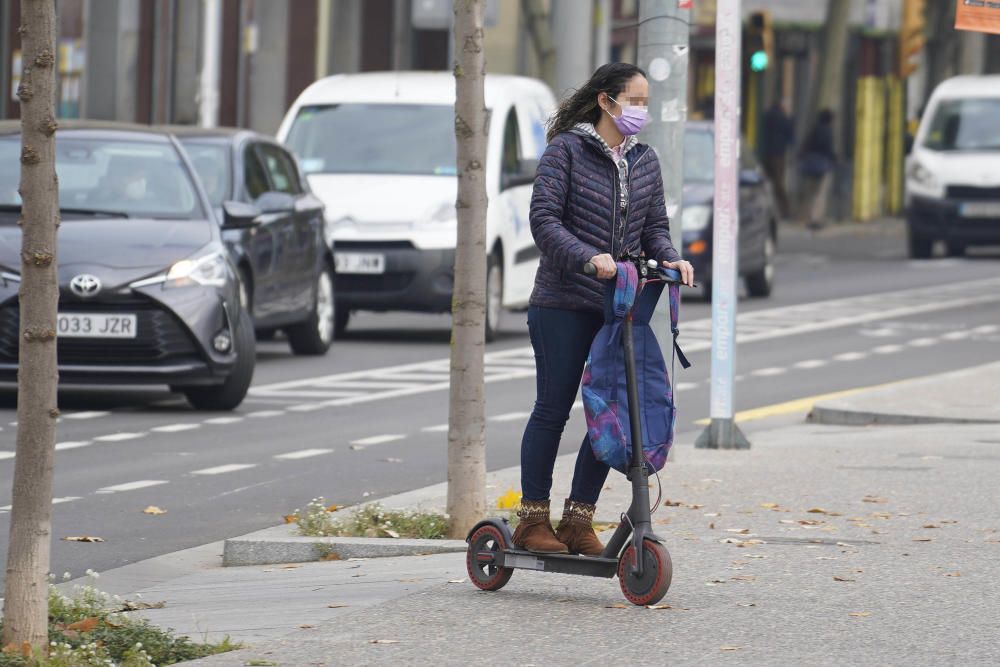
column 316, row 520
column 91, row 628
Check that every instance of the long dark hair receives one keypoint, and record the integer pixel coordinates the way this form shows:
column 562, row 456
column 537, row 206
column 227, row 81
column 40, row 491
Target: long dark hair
column 582, row 105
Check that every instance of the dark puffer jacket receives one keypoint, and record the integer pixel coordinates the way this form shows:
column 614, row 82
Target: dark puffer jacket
column 574, row 209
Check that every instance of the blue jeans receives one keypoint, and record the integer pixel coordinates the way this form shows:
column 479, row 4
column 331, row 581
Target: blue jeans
column 561, row 340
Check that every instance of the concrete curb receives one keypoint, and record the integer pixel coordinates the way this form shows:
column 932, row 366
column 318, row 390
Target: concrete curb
column 272, row 546
column 835, row 416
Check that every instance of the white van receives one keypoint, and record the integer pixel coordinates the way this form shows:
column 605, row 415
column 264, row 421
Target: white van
column 953, row 171
column 379, row 150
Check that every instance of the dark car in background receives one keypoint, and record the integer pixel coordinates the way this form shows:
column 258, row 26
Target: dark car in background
column 147, row 291
column 284, row 260
column 758, row 237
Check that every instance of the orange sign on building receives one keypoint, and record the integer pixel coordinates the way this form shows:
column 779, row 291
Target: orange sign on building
column 978, row 15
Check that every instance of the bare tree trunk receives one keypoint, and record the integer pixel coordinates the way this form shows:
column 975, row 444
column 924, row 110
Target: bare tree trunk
column 466, row 419
column 830, row 85
column 25, row 613
column 536, row 21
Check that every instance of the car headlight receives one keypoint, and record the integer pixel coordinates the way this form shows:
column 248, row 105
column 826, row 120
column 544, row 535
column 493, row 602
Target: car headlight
column 209, row 271
column 444, row 213
column 695, row 218
column 922, row 178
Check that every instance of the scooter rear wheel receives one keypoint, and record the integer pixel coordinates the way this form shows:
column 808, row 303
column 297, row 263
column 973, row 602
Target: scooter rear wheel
column 656, row 574
column 485, row 546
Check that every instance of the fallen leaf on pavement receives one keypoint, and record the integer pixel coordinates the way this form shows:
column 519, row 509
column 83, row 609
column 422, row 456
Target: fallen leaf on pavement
column 770, row 506
column 860, row 614
column 810, row 522
column 290, row 567
column 923, row 539
column 756, row 556
column 334, row 507
column 829, row 529
column 410, row 581
column 84, row 625
column 746, row 604
column 949, row 521
column 818, row 510
column 712, row 525
column 306, row 626
column 384, row 641
column 787, row 521
column 665, row 606
column 874, row 499
column 836, row 578
column 711, row 514
column 154, row 510
column 730, row 648
column 953, row 574
column 333, row 555
column 715, row 582
column 83, row 538
column 390, row 532
column 930, row 525
column 290, row 518
column 741, row 531
column 392, row 459
column 744, row 577
column 617, row 605
column 337, row 605
column 457, row 581
column 825, row 558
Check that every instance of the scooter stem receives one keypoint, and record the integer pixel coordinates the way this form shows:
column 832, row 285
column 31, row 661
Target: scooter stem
column 638, row 473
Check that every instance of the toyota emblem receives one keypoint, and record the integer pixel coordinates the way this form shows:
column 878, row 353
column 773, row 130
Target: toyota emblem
column 85, row 285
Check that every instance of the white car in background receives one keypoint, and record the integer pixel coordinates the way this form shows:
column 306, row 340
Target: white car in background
column 953, row 171
column 379, row 150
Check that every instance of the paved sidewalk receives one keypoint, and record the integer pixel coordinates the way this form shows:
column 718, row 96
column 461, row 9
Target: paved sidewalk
column 821, row 545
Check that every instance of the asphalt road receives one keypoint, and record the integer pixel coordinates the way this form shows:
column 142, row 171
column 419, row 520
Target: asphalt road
column 368, row 420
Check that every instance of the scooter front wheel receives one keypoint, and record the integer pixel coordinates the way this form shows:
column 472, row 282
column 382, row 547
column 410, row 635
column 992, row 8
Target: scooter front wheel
column 485, row 547
column 657, row 572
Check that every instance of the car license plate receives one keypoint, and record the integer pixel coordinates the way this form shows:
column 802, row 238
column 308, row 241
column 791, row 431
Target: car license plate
column 986, row 209
column 357, row 262
column 96, row 325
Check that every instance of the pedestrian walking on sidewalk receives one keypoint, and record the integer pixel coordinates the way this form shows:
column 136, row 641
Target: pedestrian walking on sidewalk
column 818, row 160
column 778, row 137
column 598, row 194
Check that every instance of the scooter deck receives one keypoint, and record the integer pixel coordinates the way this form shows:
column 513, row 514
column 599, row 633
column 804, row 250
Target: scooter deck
column 590, row 566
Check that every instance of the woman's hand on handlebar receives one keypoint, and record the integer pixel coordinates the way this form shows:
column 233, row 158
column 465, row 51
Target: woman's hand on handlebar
column 685, row 269
column 605, row 265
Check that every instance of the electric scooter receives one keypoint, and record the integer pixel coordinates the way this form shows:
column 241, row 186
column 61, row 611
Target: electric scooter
column 492, row 558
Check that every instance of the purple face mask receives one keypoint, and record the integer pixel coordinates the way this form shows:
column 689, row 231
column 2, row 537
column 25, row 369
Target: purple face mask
column 632, row 120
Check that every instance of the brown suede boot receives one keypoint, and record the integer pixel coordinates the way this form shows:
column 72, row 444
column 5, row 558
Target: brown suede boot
column 534, row 532
column 576, row 530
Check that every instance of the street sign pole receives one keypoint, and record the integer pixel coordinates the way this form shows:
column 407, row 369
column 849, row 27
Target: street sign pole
column 722, row 432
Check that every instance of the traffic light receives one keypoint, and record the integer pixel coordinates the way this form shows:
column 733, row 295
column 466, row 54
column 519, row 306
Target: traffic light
column 911, row 36
column 760, row 40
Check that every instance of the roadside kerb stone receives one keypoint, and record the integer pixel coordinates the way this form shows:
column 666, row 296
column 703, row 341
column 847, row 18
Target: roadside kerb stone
column 280, row 545
column 967, row 396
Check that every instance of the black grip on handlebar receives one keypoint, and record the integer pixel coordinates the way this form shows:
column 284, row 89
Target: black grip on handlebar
column 590, row 269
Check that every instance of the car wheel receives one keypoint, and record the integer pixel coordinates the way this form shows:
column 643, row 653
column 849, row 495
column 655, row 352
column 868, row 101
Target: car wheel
column 494, row 295
column 956, row 249
column 229, row 394
column 760, row 282
column 315, row 335
column 920, row 246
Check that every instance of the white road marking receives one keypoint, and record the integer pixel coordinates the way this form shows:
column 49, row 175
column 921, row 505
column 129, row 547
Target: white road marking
column 437, row 428
column 175, row 428
column 265, row 414
column 377, row 440
column 986, row 329
column 61, row 446
column 923, row 342
column 6, row 455
column 131, row 486
column 510, row 416
column 67, row 499
column 302, row 454
column 769, row 372
column 811, row 363
column 219, row 470
column 306, row 407
column 222, row 421
column 850, row 356
column 92, row 414
column 119, row 437
column 685, row 386
column 956, row 335
column 888, row 349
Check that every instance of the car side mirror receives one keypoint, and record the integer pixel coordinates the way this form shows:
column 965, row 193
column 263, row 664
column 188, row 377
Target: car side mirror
column 275, row 202
column 525, row 175
column 751, row 177
column 239, row 215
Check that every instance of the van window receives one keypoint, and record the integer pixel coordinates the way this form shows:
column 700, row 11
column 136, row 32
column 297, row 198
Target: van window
column 965, row 125
column 511, row 146
column 358, row 138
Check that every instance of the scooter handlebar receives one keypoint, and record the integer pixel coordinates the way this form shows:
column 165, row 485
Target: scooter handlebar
column 667, row 275
column 589, row 269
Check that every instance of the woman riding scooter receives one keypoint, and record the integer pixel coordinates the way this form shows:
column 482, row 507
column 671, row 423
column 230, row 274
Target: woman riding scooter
column 598, row 194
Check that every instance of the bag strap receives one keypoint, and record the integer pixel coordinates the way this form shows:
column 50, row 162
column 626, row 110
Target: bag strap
column 678, row 353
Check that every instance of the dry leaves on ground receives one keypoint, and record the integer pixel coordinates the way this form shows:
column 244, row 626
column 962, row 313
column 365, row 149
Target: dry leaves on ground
column 290, row 518
column 836, row 578
column 741, row 531
column 953, row 574
column 88, row 624
column 337, row 605
column 154, row 510
column 860, row 614
column 665, row 606
column 744, row 577
column 730, row 648
column 923, row 539
column 820, row 510
column 617, row 605
column 930, row 525
column 457, row 581
column 874, row 499
column 83, row 538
